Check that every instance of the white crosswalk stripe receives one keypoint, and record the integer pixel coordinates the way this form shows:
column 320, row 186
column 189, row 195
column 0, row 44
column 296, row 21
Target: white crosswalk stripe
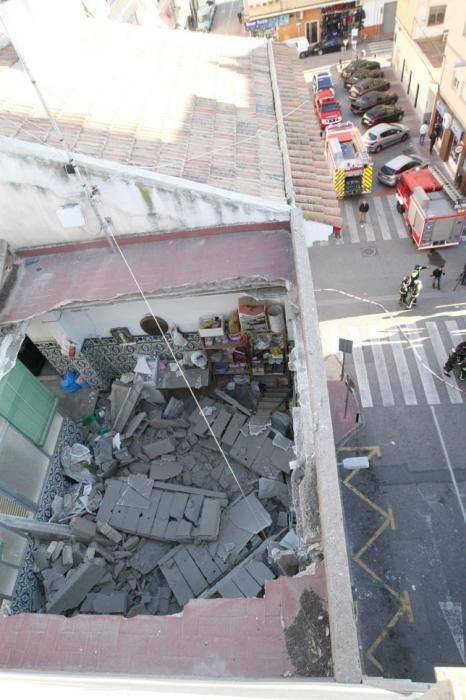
column 378, row 47
column 350, row 222
column 396, row 217
column 383, row 223
column 381, row 369
column 441, row 355
column 361, row 372
column 407, row 388
column 399, row 366
column 379, row 210
column 422, row 362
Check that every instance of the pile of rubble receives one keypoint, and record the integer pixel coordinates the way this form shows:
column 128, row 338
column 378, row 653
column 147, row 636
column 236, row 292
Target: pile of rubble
column 158, row 514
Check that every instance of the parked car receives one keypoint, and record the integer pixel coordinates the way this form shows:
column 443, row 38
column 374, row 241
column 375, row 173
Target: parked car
column 368, row 85
column 335, row 43
column 383, row 135
column 322, row 80
column 327, row 108
column 205, row 16
column 362, row 74
column 301, row 44
column 391, row 171
column 371, row 99
column 382, row 113
column 357, row 64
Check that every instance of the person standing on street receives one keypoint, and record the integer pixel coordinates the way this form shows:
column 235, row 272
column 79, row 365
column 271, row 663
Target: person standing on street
column 363, row 209
column 437, row 275
column 423, row 131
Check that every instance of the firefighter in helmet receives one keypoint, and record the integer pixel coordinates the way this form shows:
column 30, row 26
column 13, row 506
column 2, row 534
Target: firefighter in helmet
column 456, row 357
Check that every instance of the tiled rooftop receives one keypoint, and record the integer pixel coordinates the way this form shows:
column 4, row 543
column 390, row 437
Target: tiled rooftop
column 433, row 48
column 51, row 281
column 184, row 104
column 179, row 103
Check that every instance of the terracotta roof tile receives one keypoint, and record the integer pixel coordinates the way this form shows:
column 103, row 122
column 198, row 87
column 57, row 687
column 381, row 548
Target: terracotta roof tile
column 314, row 192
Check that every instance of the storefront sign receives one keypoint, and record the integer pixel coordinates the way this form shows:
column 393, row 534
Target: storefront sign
column 339, row 8
column 257, row 25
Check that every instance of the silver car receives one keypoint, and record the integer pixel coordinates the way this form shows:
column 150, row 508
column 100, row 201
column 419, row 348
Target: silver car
column 383, row 135
column 391, row 171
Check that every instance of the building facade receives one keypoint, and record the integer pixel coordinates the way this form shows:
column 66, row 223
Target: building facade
column 429, row 58
column 314, row 20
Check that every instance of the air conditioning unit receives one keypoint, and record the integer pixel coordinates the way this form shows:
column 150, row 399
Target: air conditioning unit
column 299, row 16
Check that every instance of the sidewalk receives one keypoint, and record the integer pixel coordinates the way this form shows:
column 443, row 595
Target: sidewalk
column 343, row 425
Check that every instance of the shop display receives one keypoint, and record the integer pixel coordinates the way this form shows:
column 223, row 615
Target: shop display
column 210, row 325
column 252, row 314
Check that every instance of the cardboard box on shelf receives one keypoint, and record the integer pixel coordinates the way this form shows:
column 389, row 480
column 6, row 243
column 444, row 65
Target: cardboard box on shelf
column 211, row 325
column 252, row 314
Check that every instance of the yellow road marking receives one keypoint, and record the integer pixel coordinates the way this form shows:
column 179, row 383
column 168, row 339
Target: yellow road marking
column 388, row 522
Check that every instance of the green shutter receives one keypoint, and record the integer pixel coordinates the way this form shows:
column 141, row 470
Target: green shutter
column 26, row 403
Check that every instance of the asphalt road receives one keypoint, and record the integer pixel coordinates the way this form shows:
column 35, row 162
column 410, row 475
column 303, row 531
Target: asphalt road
column 405, row 515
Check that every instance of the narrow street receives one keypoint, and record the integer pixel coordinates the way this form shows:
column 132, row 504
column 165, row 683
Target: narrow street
column 405, row 516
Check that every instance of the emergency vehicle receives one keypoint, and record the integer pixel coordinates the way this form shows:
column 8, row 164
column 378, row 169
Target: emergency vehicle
column 327, row 108
column 433, row 210
column 349, row 162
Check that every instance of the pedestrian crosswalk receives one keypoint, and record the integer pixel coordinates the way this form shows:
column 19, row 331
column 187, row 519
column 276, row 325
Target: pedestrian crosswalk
column 376, row 48
column 396, row 366
column 383, row 223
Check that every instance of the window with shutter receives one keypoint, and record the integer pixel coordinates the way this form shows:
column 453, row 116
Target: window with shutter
column 26, row 403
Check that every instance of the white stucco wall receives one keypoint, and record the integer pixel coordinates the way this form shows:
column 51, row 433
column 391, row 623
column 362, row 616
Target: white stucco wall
column 423, row 73
column 96, row 321
column 33, row 185
column 374, row 12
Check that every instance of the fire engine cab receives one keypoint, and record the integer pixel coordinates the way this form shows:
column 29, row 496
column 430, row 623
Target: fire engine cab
column 349, row 162
column 433, row 210
column 327, row 108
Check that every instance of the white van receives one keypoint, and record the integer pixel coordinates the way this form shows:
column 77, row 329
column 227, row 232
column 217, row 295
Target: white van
column 301, row 45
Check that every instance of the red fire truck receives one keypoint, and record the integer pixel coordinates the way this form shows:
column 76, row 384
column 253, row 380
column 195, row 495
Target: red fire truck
column 327, row 108
column 349, row 163
column 433, row 210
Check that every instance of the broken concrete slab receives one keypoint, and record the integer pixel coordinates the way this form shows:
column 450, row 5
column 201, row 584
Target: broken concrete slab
column 133, row 424
column 109, row 532
column 233, row 402
column 146, row 558
column 174, row 408
column 36, row 528
column 162, row 470
column 273, row 488
column 221, row 422
column 232, row 431
column 129, row 498
column 193, row 507
column 114, row 604
column 209, row 523
column 158, row 448
column 139, row 467
column 123, row 399
column 67, row 555
column 76, row 588
column 192, row 490
column 83, row 529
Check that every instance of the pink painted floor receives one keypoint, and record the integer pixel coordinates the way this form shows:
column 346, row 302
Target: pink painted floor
column 242, row 638
column 342, row 425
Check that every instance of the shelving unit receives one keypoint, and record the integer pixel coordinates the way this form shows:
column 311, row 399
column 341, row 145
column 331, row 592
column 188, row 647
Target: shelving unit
column 268, row 353
column 225, row 355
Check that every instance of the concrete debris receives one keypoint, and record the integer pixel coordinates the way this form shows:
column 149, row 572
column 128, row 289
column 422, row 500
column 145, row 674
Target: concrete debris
column 160, row 519
column 273, row 488
column 114, row 604
column 158, row 448
column 82, row 529
column 75, row 588
column 174, row 408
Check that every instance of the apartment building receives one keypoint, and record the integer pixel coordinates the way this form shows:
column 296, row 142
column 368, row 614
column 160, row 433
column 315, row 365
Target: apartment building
column 429, row 57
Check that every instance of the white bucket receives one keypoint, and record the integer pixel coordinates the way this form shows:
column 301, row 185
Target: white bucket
column 276, row 318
